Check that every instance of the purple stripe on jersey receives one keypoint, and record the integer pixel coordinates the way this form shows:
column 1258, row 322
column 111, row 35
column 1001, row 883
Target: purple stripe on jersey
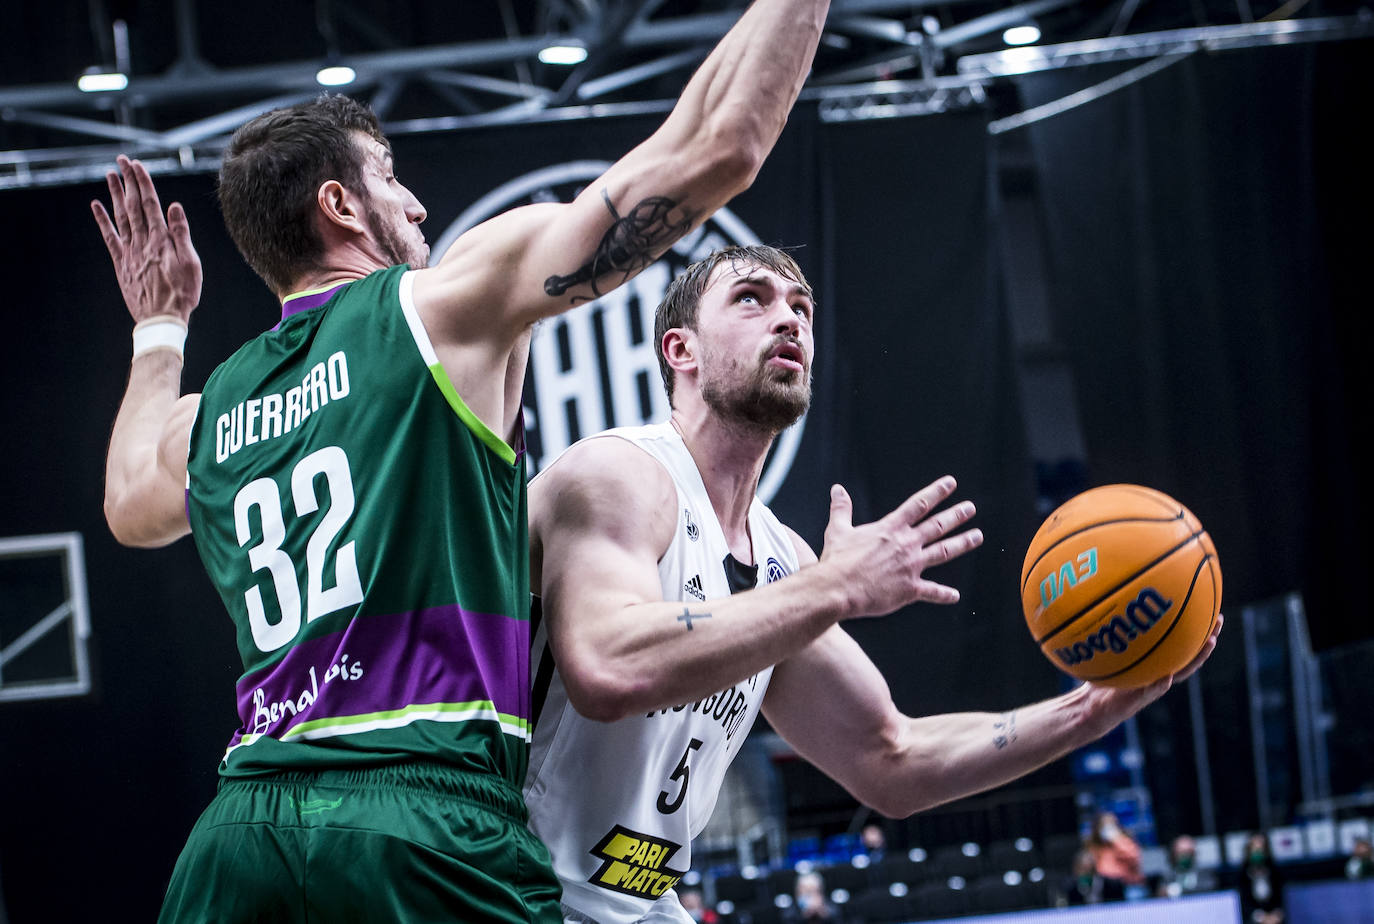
column 295, row 304
column 382, row 663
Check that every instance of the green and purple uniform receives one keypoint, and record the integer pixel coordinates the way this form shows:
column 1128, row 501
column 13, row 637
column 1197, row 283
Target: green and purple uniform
column 368, row 536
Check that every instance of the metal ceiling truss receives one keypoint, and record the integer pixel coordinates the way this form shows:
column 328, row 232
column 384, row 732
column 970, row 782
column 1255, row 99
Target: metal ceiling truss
column 1015, row 61
column 904, row 79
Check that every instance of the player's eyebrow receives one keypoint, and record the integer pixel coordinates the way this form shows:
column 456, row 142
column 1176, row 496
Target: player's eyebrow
column 795, row 288
column 381, row 159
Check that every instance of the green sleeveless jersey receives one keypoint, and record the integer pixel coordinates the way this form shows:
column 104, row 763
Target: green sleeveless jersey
column 369, row 538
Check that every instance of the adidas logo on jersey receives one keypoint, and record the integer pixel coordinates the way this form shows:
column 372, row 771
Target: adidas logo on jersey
column 693, row 587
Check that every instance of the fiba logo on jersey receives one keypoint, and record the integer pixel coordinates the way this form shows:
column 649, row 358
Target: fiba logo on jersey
column 594, row 367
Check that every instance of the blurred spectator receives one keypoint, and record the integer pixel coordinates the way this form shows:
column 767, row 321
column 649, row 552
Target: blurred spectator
column 1261, row 886
column 873, row 842
column 1183, row 877
column 1116, row 856
column 696, row 909
column 1361, row 862
column 810, row 902
column 1084, row 886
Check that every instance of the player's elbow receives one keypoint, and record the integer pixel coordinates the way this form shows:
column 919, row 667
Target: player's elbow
column 732, row 153
column 893, row 799
column 133, row 538
column 600, row 693
column 891, row 781
column 888, row 796
column 128, row 527
column 742, row 163
column 122, row 526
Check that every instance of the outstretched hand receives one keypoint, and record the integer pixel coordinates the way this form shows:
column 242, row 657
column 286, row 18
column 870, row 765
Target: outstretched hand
column 158, row 269
column 884, row 561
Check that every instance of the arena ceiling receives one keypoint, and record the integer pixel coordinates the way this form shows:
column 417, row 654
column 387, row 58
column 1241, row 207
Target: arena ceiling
column 198, row 70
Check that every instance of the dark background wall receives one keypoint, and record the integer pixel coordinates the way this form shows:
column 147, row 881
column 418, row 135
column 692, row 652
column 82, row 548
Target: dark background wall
column 1207, row 241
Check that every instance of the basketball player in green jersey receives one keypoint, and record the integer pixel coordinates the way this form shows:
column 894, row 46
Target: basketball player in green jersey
column 674, row 611
column 354, row 483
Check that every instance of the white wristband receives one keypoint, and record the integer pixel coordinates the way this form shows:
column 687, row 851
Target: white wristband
column 163, row 332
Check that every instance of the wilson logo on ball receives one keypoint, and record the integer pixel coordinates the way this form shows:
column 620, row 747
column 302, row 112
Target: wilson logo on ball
column 1116, row 636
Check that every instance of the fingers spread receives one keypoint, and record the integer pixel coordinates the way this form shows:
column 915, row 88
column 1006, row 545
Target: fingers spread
column 954, row 546
column 152, row 207
column 121, row 215
column 916, row 507
column 841, row 508
column 930, row 592
column 107, row 228
column 180, row 228
column 133, row 198
column 932, row 528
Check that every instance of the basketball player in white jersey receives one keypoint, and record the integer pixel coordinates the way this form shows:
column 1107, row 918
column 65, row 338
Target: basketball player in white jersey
column 676, row 607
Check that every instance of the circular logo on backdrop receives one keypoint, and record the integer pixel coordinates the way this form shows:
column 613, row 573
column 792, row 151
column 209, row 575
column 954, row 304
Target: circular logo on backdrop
column 595, row 366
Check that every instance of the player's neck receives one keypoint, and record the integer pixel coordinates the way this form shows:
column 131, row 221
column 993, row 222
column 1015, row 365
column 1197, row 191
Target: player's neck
column 339, row 264
column 730, row 459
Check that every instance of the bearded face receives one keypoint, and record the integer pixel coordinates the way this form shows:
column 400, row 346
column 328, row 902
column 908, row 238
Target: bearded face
column 398, row 242
column 755, row 391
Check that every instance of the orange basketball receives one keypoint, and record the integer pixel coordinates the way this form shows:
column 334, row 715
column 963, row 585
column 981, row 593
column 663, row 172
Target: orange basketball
column 1121, row 586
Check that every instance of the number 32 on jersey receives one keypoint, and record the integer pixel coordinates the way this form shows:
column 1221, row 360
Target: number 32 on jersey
column 264, row 496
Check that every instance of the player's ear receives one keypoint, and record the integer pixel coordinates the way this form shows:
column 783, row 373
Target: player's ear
column 680, row 349
column 338, row 206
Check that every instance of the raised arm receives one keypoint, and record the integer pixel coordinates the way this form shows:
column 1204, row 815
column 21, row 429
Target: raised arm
column 159, row 276
column 539, row 260
column 603, row 515
column 897, row 764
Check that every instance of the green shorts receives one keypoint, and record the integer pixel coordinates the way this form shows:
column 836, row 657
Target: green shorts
column 401, row 843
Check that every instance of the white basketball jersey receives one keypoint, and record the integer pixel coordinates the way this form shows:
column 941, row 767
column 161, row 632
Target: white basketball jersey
column 618, row 803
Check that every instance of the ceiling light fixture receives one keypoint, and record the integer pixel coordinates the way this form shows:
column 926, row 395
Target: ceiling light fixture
column 1023, row 34
column 563, row 52
column 97, row 81
column 335, row 75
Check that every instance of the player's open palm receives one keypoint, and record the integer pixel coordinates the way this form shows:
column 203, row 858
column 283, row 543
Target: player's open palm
column 883, row 563
column 158, row 269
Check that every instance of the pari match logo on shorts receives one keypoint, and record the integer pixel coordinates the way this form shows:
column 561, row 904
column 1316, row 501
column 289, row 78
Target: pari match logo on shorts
column 635, row 864
column 594, row 367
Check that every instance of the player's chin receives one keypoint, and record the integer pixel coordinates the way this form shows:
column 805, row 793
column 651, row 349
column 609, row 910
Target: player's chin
column 786, row 378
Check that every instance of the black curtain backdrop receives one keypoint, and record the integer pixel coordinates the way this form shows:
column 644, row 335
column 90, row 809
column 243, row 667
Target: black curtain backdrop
column 1205, row 275
column 1182, row 253
column 1206, row 227
column 1208, row 245
column 925, row 389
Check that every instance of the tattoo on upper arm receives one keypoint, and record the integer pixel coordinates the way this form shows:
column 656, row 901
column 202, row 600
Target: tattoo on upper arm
column 1005, row 730
column 687, row 616
column 631, row 243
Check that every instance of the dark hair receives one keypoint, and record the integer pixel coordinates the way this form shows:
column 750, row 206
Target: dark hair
column 683, row 298
column 271, row 172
